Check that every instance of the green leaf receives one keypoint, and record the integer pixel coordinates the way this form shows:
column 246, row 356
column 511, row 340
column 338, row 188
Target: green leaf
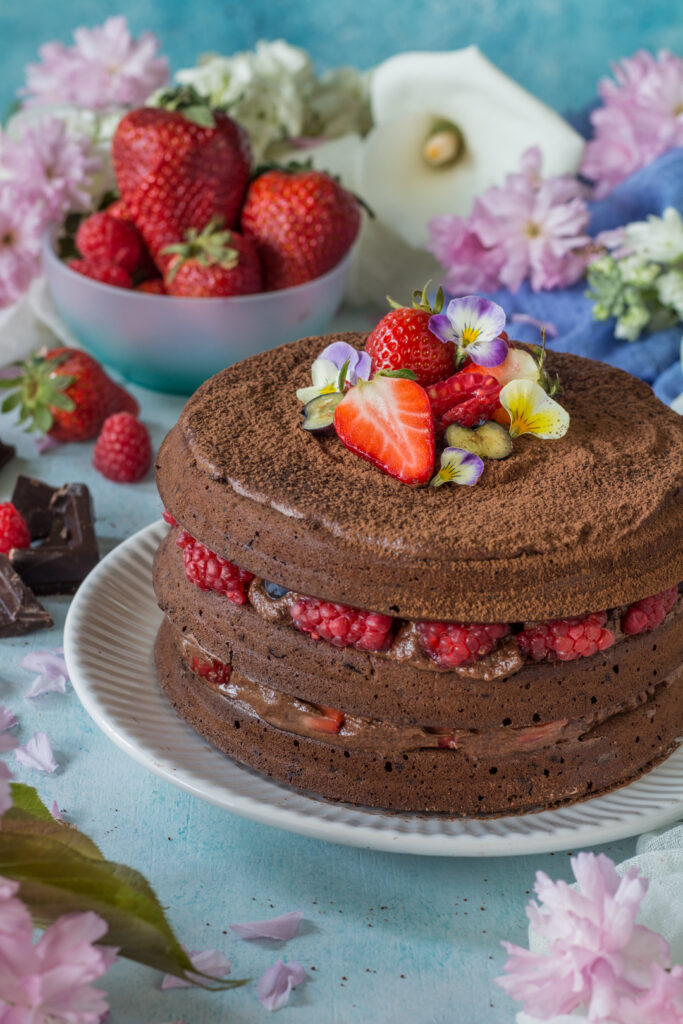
column 61, row 401
column 342, row 376
column 11, row 402
column 61, row 870
column 404, row 373
column 43, row 419
column 200, row 115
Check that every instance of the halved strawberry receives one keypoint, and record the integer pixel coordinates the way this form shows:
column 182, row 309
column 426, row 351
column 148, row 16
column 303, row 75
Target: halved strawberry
column 388, row 421
column 329, row 719
column 465, row 398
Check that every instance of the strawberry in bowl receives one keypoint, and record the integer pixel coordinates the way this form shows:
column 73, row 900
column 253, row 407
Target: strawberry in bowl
column 269, row 264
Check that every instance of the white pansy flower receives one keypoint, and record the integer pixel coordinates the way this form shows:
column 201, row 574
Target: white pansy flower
column 657, row 238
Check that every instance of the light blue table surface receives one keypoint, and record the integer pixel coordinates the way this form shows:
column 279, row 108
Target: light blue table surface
column 387, row 939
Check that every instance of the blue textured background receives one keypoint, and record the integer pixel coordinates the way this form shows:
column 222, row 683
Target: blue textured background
column 556, row 48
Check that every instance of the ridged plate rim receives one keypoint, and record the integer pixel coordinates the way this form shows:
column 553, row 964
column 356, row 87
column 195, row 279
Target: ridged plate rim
column 108, row 641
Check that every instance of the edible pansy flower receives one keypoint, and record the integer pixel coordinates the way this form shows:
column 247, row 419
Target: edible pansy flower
column 327, row 371
column 458, row 467
column 474, row 324
column 533, row 411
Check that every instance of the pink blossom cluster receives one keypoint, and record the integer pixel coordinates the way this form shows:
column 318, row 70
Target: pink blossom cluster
column 105, row 67
column 641, row 118
column 530, row 227
column 50, row 980
column 598, row 960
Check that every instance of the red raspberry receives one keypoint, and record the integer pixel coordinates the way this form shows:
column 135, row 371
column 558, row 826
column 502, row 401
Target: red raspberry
column 105, row 273
column 209, row 571
column 648, row 613
column 465, row 398
column 168, row 518
column 106, row 239
column 13, row 529
column 211, row 669
column 451, row 644
column 566, row 639
column 123, row 451
column 341, row 625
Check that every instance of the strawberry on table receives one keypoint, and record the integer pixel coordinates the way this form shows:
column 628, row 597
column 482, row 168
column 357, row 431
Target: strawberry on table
column 153, row 286
column 303, row 223
column 388, row 421
column 178, row 165
column 402, row 339
column 211, row 263
column 65, row 394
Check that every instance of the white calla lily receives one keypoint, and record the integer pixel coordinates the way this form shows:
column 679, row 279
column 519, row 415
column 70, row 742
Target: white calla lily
column 446, row 127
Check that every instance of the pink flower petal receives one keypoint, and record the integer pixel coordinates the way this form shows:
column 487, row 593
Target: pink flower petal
column 53, row 674
column 46, row 444
column 276, row 984
column 209, row 961
column 5, row 790
column 7, row 719
column 55, row 812
column 37, row 754
column 279, row 928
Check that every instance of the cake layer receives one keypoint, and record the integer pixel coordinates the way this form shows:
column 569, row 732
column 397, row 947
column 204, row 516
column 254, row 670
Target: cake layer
column 368, row 684
column 593, row 520
column 442, row 780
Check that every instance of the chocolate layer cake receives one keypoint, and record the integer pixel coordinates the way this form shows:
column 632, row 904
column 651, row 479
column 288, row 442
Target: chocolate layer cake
column 280, row 535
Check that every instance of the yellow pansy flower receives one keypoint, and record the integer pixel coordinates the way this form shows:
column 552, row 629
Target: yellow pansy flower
column 532, row 411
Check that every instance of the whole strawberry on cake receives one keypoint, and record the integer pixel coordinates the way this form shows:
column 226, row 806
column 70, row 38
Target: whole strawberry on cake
column 428, row 569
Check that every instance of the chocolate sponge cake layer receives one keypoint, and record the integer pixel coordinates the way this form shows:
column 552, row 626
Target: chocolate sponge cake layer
column 368, row 684
column 591, row 521
column 433, row 780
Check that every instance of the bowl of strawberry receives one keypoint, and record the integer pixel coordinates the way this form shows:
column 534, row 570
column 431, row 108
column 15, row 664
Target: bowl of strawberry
column 268, row 254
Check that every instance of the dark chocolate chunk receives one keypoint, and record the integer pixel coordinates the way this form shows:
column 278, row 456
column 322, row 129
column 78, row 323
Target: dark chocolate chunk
column 7, row 452
column 19, row 611
column 68, row 551
column 32, row 498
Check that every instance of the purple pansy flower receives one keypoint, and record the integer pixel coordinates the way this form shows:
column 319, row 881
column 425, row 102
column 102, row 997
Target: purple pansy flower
column 326, row 370
column 474, row 324
column 458, row 466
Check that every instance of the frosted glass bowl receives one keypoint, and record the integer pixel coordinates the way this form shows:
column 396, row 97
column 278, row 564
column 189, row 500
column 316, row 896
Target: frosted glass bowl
column 173, row 344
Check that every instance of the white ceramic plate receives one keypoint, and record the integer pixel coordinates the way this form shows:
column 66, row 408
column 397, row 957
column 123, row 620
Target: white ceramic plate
column 109, row 640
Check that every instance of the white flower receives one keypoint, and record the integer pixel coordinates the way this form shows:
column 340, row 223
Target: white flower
column 446, row 127
column 670, row 290
column 657, row 238
column 274, row 93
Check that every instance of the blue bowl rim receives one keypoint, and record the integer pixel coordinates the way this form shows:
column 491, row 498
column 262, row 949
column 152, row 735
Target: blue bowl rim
column 50, row 256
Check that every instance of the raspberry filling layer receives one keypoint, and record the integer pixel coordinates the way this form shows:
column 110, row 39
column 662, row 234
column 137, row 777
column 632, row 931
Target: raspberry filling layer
column 331, row 725
column 485, row 651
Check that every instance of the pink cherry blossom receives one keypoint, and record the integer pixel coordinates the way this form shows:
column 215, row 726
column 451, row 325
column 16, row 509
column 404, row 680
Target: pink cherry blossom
column 641, row 118
column 529, row 227
column 105, row 67
column 597, row 955
column 50, row 981
column 661, row 1003
column 275, row 985
column 21, row 225
column 208, row 961
column 37, row 754
column 52, row 166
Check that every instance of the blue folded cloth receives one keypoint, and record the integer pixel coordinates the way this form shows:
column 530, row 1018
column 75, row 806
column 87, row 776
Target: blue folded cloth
column 654, row 357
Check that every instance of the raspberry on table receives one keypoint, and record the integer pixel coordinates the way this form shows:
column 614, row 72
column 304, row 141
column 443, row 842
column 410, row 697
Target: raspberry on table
column 123, row 451
column 649, row 612
column 14, row 532
column 211, row 669
column 341, row 625
column 566, row 639
column 209, row 571
column 451, row 644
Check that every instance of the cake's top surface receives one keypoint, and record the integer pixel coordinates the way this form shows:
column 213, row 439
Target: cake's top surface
column 591, row 520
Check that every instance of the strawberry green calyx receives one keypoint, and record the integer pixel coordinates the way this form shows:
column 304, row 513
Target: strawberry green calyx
column 36, row 390
column 187, row 101
column 210, row 247
column 421, row 300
